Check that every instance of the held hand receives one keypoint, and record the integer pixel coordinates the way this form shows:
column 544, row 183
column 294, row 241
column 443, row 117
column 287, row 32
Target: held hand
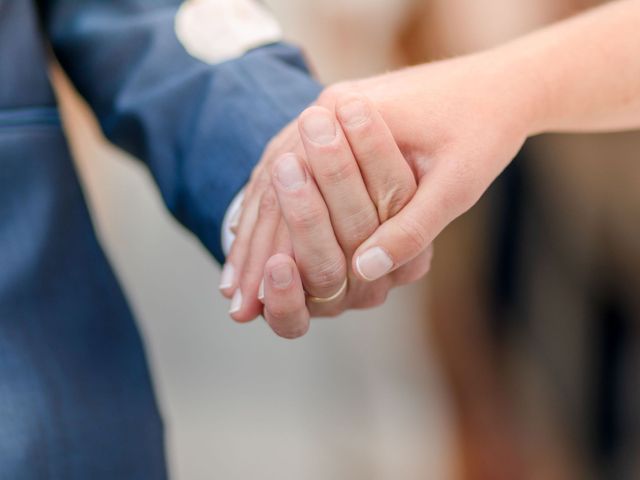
column 457, row 123
column 331, row 198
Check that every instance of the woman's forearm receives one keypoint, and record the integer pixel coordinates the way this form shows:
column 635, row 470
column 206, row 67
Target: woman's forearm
column 582, row 74
column 460, row 122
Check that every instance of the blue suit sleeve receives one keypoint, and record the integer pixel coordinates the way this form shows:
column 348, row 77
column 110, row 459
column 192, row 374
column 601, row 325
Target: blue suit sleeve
column 200, row 128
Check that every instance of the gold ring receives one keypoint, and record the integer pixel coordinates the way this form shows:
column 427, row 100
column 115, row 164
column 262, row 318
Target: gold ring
column 333, row 297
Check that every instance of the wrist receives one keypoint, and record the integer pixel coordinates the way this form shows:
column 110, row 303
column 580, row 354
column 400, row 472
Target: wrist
column 525, row 93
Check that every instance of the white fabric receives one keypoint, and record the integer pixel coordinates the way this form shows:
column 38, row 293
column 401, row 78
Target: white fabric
column 217, row 30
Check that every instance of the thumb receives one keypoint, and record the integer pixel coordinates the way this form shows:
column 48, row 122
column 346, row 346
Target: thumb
column 405, row 236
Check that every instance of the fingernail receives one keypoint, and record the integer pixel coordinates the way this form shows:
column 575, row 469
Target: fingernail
column 235, row 220
column 236, row 302
column 353, row 113
column 320, row 127
column 290, row 173
column 261, row 291
column 373, row 264
column 227, row 277
column 281, row 276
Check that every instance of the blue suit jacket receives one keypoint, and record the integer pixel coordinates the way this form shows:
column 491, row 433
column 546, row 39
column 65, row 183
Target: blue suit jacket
column 76, row 401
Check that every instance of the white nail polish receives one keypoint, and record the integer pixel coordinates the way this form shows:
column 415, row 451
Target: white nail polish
column 261, row 291
column 235, row 220
column 227, row 278
column 373, row 264
column 236, row 302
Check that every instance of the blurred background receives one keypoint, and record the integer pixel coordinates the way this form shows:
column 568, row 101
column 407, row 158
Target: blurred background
column 517, row 359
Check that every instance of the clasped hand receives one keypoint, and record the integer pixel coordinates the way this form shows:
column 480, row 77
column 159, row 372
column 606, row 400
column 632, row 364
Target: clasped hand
column 348, row 199
column 308, row 210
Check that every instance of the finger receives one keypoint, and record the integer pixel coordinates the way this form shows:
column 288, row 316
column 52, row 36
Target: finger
column 402, row 238
column 286, row 141
column 318, row 255
column 370, row 295
column 282, row 241
column 387, row 175
column 245, row 305
column 285, row 310
column 239, row 250
column 331, row 306
column 415, row 270
column 353, row 214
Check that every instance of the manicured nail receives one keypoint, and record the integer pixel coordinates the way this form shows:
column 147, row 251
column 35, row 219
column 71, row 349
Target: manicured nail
column 290, row 172
column 235, row 220
column 261, row 291
column 320, row 127
column 373, row 264
column 227, row 277
column 236, row 302
column 281, row 276
column 354, row 113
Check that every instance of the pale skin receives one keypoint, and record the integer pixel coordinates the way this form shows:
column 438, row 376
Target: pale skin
column 410, row 151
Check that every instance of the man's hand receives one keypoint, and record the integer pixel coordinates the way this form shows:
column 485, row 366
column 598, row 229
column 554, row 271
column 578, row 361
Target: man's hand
column 347, row 177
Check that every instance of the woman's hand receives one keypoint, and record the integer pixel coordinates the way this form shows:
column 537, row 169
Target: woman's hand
column 458, row 123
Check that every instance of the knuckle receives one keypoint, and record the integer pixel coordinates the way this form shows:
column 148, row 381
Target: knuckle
column 335, row 170
column 269, row 203
column 360, row 225
column 327, row 276
column 395, row 199
column 305, row 217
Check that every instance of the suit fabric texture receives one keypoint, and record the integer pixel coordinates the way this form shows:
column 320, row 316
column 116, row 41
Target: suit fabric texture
column 76, row 399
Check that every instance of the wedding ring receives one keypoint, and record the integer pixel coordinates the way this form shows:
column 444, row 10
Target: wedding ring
column 333, row 297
